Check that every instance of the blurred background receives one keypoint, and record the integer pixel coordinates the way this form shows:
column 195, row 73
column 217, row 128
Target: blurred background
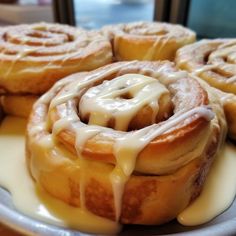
column 209, row 18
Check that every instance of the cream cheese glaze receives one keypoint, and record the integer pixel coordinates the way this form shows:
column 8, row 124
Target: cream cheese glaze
column 146, row 40
column 218, row 192
column 34, row 202
column 105, row 101
column 33, row 52
column 157, row 47
column 215, row 57
column 96, row 93
column 144, row 90
column 31, row 199
column 131, row 144
column 138, row 90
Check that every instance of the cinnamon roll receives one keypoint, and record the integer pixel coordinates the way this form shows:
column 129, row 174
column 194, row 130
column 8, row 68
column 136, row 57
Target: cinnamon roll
column 33, row 57
column 215, row 62
column 147, row 40
column 131, row 141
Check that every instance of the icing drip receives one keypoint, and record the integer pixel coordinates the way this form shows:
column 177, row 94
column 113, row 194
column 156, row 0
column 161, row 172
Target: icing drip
column 205, row 68
column 143, row 90
column 120, row 99
column 39, row 49
column 128, row 147
column 222, row 59
column 24, row 52
column 75, row 87
column 231, row 79
column 106, row 101
column 38, row 204
column 218, row 192
column 32, row 200
column 154, row 50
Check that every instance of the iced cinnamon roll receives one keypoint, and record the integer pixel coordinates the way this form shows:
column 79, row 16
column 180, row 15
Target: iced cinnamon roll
column 33, row 57
column 131, row 141
column 215, row 62
column 147, row 40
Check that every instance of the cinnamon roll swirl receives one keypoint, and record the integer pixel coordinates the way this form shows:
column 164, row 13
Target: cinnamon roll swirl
column 147, row 40
column 33, row 57
column 215, row 62
column 131, row 141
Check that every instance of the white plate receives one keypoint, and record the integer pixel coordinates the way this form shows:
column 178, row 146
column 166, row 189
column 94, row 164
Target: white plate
column 225, row 224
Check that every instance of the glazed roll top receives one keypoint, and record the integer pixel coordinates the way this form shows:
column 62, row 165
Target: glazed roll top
column 131, row 141
column 33, row 57
column 147, row 40
column 215, row 62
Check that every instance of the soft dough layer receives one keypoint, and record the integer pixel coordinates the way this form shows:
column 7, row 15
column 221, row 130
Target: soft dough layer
column 147, row 40
column 215, row 62
column 146, row 175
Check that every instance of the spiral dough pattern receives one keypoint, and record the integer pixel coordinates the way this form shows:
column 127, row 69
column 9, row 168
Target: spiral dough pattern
column 33, row 57
column 131, row 141
column 147, row 40
column 215, row 62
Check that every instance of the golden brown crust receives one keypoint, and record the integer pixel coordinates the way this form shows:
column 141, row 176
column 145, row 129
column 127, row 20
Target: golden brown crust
column 18, row 105
column 214, row 61
column 230, row 113
column 147, row 40
column 147, row 199
column 33, row 57
column 169, row 172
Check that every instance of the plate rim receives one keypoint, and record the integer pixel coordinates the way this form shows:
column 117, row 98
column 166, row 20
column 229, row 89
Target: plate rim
column 27, row 225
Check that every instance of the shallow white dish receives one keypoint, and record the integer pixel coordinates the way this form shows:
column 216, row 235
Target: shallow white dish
column 225, row 224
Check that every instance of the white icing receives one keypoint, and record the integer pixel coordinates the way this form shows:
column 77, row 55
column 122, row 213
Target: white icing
column 156, row 48
column 31, row 199
column 231, row 79
column 218, row 192
column 34, row 202
column 145, row 90
column 224, row 51
column 83, row 134
column 100, row 101
column 75, row 87
column 25, row 51
column 226, row 97
column 205, row 68
column 105, row 101
column 127, row 148
column 223, row 59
